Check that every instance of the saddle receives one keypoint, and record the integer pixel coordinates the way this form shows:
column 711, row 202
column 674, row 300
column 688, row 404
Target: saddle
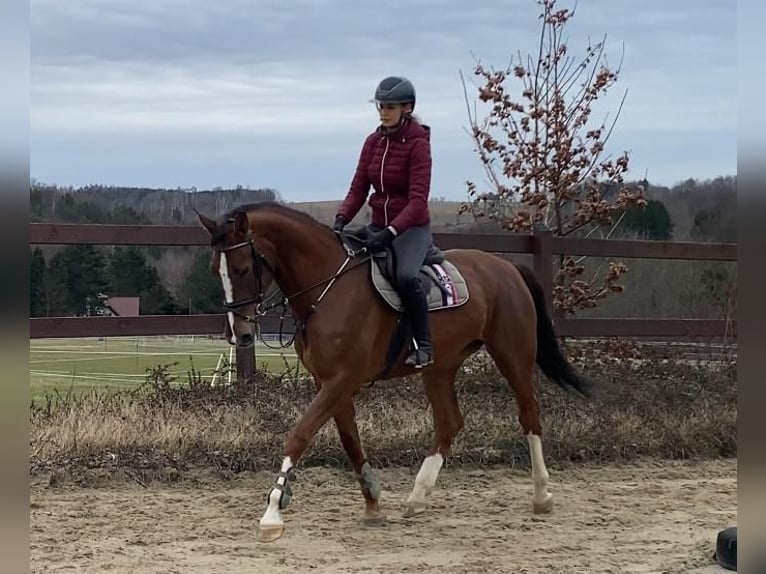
column 442, row 282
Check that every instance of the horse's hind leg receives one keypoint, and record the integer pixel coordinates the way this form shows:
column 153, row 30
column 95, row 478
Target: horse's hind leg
column 448, row 420
column 345, row 421
column 518, row 367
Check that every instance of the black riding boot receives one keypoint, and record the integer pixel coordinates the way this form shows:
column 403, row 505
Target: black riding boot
column 416, row 307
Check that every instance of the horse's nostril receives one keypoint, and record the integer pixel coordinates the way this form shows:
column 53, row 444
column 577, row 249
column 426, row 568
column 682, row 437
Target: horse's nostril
column 245, row 340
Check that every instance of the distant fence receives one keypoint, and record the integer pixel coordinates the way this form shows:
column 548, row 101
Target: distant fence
column 541, row 245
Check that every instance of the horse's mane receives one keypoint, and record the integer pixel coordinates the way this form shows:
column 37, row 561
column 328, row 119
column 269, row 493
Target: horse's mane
column 277, row 206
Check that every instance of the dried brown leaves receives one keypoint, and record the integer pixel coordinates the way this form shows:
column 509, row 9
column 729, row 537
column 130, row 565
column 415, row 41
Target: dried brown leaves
column 543, row 159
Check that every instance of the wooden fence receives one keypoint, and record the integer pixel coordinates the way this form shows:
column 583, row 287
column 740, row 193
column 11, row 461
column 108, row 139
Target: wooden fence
column 541, row 245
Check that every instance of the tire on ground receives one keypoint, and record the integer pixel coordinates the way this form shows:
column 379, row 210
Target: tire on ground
column 726, row 548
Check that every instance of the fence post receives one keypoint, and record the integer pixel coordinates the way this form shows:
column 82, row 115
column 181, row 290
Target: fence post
column 245, row 363
column 542, row 252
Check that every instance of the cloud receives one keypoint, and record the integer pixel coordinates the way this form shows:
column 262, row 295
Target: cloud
column 199, row 93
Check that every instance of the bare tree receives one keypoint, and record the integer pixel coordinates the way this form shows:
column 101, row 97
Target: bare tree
column 545, row 160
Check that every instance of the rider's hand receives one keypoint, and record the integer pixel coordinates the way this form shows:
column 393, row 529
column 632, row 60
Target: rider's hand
column 340, row 223
column 379, row 240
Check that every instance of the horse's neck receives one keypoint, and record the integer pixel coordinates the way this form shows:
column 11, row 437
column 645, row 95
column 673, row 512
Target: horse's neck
column 305, row 257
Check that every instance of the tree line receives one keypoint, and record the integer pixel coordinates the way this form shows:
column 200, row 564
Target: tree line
column 76, row 279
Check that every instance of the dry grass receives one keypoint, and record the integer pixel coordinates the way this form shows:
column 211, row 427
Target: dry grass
column 655, row 408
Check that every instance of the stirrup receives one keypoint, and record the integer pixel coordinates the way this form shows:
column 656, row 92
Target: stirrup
column 419, row 359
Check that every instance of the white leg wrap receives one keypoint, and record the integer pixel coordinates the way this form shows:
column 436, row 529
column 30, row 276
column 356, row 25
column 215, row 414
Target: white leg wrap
column 272, row 516
column 539, row 472
column 426, row 478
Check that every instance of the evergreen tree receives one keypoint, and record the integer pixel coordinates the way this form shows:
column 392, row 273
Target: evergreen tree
column 157, row 300
column 201, row 290
column 77, row 280
column 128, row 273
column 649, row 222
column 38, row 303
column 131, row 276
column 56, row 286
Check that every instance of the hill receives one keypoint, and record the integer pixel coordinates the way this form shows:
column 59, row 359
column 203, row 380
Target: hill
column 107, row 204
column 443, row 213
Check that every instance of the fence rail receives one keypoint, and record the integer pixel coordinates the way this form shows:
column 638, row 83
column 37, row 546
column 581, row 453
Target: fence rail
column 541, row 245
column 192, row 235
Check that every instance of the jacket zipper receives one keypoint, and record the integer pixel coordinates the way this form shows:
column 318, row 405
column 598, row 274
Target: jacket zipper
column 385, row 204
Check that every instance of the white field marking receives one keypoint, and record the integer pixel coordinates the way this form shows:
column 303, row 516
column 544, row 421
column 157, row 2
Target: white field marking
column 65, row 343
column 55, row 361
column 228, row 290
column 184, row 347
column 69, row 376
column 114, row 344
column 112, row 374
column 73, row 375
column 539, row 472
column 63, row 348
column 272, row 517
column 122, row 354
column 426, row 478
column 126, row 377
column 206, row 352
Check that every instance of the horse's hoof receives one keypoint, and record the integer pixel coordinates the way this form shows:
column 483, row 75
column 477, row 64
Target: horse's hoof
column 269, row 533
column 414, row 509
column 375, row 520
column 543, row 507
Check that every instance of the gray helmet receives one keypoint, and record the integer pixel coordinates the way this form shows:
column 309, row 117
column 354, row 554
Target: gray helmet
column 395, row 90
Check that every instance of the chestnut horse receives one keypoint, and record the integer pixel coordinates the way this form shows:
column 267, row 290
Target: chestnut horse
column 344, row 330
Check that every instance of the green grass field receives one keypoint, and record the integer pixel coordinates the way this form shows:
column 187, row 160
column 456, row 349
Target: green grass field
column 122, row 362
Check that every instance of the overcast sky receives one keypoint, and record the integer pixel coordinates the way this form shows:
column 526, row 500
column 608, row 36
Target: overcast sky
column 276, row 93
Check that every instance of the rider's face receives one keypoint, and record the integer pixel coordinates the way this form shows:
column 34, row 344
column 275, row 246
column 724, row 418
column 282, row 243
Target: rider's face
column 391, row 114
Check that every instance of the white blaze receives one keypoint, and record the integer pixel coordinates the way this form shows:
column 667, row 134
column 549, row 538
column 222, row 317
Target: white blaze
column 228, row 292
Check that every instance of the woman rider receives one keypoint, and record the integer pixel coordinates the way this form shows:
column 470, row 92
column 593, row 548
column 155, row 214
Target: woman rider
column 396, row 160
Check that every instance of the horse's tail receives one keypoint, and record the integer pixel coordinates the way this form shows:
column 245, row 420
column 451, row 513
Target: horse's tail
column 550, row 357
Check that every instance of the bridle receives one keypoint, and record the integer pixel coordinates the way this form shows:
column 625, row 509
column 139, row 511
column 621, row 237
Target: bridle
column 259, row 263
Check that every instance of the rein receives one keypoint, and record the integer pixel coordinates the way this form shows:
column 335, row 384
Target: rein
column 260, row 260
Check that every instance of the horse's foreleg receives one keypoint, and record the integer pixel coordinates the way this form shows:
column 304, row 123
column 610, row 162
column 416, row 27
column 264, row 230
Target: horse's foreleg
column 320, row 410
column 345, row 421
column 448, row 420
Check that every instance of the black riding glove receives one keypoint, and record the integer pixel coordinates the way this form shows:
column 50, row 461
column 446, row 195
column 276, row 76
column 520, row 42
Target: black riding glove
column 378, row 240
column 340, row 223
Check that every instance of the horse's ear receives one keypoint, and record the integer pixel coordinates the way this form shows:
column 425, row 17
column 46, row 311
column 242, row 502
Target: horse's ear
column 206, row 222
column 241, row 223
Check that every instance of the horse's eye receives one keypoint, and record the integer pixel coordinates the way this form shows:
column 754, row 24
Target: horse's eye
column 242, row 271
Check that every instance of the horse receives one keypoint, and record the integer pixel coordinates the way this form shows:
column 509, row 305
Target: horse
column 345, row 326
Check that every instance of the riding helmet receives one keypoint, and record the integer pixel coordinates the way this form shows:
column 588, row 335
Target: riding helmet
column 395, row 90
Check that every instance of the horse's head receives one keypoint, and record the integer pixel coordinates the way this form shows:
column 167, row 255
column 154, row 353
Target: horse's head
column 245, row 272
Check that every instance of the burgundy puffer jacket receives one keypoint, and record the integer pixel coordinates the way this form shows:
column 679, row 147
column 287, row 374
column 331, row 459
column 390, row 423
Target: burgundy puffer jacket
column 398, row 166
